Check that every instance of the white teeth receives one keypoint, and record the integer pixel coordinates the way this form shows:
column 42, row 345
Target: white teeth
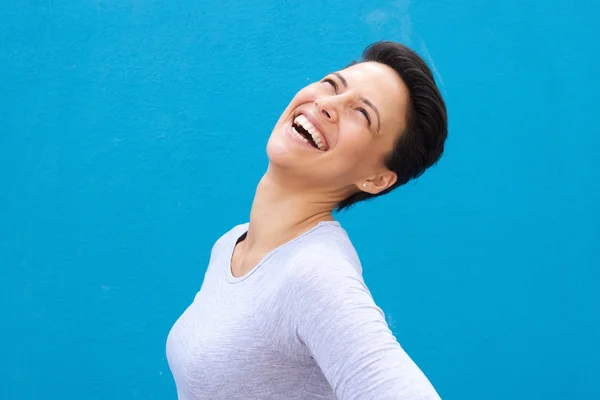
column 315, row 136
column 310, row 128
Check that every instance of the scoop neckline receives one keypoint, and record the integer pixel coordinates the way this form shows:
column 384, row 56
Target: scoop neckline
column 233, row 279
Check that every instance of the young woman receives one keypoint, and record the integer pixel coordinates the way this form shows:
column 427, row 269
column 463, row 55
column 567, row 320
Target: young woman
column 283, row 311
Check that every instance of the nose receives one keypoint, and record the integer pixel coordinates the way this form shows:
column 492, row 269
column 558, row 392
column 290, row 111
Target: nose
column 327, row 109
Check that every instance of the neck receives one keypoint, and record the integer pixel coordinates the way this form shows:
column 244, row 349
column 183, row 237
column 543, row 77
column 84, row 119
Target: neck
column 281, row 212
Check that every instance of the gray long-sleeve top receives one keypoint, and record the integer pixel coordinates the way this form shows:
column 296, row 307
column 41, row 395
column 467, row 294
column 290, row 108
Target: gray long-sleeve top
column 300, row 325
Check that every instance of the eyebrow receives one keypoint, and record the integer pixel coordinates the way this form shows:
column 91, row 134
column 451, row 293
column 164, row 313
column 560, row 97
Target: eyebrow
column 366, row 101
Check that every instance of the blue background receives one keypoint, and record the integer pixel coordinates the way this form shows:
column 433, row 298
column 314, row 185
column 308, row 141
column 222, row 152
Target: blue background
column 132, row 135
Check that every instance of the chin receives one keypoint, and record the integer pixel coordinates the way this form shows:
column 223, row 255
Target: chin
column 278, row 152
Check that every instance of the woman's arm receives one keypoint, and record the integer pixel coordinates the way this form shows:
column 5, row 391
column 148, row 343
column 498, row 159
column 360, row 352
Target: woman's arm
column 346, row 333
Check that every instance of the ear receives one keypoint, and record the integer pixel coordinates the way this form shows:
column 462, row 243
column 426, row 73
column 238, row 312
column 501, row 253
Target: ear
column 378, row 183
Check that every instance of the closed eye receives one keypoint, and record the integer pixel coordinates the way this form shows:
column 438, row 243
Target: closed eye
column 332, row 83
column 366, row 114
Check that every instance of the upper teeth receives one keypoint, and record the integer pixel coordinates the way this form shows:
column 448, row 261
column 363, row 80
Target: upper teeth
column 310, row 128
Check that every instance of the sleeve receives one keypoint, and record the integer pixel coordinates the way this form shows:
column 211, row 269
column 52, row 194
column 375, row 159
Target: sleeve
column 336, row 317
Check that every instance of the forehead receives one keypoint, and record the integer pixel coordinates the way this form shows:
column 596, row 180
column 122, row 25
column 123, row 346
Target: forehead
column 384, row 88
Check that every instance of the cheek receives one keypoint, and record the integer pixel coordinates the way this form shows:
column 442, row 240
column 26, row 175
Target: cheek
column 354, row 139
column 306, row 95
column 298, row 99
column 360, row 151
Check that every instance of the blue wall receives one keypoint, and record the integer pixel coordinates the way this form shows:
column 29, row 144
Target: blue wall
column 132, row 135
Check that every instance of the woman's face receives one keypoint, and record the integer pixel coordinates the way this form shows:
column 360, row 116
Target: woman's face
column 335, row 133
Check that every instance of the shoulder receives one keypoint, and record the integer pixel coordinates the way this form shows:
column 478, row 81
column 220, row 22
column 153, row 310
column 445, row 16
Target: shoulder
column 325, row 265
column 228, row 238
column 327, row 250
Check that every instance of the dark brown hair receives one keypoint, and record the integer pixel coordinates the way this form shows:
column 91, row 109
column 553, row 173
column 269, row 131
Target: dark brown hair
column 422, row 143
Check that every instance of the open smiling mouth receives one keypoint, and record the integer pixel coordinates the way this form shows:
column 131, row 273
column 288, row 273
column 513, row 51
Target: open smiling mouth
column 307, row 132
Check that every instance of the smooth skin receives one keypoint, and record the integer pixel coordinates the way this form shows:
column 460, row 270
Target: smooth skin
column 361, row 111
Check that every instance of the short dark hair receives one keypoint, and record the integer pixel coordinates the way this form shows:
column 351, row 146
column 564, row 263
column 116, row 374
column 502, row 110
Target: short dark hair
column 422, row 143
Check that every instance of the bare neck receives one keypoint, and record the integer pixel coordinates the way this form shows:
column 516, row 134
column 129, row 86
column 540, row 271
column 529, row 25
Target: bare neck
column 281, row 212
